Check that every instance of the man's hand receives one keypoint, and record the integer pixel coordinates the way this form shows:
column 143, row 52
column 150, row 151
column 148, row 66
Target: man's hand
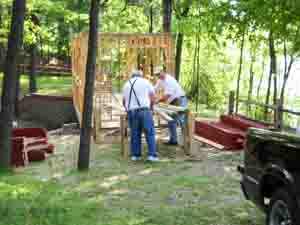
column 164, row 98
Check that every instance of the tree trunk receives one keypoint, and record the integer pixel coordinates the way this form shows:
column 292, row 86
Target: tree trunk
column 1, row 47
column 198, row 39
column 17, row 94
column 167, row 15
column 272, row 74
column 240, row 72
column 261, row 79
column 33, row 68
column 151, row 20
column 86, row 129
column 287, row 71
column 251, row 79
column 9, row 82
column 179, row 44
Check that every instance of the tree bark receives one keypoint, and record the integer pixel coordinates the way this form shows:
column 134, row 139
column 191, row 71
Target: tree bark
column 272, row 74
column 180, row 38
column 240, row 72
column 179, row 44
column 17, row 94
column 151, row 19
column 33, row 68
column 9, row 82
column 86, row 129
column 261, row 78
column 167, row 15
column 251, row 79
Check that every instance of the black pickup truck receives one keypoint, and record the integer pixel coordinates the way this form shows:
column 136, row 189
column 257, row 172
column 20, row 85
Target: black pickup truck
column 271, row 174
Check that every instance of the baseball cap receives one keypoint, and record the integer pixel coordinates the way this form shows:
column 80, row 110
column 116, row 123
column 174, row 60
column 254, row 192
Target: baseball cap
column 137, row 73
column 157, row 70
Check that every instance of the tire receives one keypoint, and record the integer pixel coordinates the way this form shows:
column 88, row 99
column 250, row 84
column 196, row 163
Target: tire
column 282, row 209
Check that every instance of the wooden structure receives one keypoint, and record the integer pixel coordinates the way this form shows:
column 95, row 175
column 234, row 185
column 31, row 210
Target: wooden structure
column 118, row 55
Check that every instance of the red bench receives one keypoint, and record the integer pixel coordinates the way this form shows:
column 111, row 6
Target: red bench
column 229, row 132
column 29, row 144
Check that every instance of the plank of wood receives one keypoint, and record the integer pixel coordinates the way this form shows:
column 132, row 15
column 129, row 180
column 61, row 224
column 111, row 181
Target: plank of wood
column 165, row 110
column 172, row 107
column 209, row 142
column 163, row 115
column 115, row 106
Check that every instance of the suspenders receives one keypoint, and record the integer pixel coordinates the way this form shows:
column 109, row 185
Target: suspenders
column 132, row 90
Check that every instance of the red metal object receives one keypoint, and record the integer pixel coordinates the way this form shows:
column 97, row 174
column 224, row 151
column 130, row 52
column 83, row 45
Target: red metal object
column 229, row 131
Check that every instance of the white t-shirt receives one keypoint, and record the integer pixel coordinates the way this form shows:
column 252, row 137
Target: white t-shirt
column 171, row 87
column 143, row 88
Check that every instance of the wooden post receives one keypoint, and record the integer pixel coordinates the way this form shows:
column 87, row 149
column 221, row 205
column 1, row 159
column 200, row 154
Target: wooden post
column 124, row 137
column 231, row 102
column 98, row 124
column 188, row 133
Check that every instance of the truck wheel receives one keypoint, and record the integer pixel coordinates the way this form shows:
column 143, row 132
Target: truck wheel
column 283, row 209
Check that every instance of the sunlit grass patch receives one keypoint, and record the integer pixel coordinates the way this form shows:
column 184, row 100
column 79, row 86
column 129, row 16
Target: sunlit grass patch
column 51, row 85
column 116, row 191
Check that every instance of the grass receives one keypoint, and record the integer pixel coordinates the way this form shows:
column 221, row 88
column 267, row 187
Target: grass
column 51, row 85
column 118, row 192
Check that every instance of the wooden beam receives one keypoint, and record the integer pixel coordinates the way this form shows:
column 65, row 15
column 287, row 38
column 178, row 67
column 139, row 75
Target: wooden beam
column 173, row 107
column 208, row 142
column 124, row 137
column 163, row 115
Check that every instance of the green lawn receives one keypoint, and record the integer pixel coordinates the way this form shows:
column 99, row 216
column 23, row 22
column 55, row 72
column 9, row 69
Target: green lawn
column 118, row 192
column 52, row 85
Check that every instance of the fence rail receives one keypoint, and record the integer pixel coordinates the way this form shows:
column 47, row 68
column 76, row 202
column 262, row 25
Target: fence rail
column 277, row 108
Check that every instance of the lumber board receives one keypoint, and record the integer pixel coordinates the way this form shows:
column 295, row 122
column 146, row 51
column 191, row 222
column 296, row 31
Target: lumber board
column 165, row 110
column 163, row 115
column 173, row 107
column 208, row 142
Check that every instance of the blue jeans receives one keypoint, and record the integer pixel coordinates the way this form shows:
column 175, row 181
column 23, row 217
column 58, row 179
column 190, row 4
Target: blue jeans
column 180, row 120
column 141, row 120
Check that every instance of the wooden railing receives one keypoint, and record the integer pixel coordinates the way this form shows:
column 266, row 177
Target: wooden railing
column 58, row 70
column 278, row 110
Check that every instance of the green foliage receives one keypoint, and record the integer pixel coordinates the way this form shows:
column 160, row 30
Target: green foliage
column 219, row 24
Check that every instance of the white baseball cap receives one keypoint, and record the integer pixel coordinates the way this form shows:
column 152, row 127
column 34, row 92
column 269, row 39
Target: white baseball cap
column 137, row 73
column 157, row 70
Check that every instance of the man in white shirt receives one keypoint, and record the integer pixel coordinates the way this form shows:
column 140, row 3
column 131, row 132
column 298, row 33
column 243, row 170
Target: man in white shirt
column 173, row 95
column 138, row 100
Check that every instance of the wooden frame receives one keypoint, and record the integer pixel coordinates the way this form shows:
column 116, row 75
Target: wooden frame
column 152, row 49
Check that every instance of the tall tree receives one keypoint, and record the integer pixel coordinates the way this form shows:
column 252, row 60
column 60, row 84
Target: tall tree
column 272, row 73
column 251, row 79
column 34, row 56
column 167, row 15
column 86, row 129
column 180, row 14
column 240, row 71
column 10, row 80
